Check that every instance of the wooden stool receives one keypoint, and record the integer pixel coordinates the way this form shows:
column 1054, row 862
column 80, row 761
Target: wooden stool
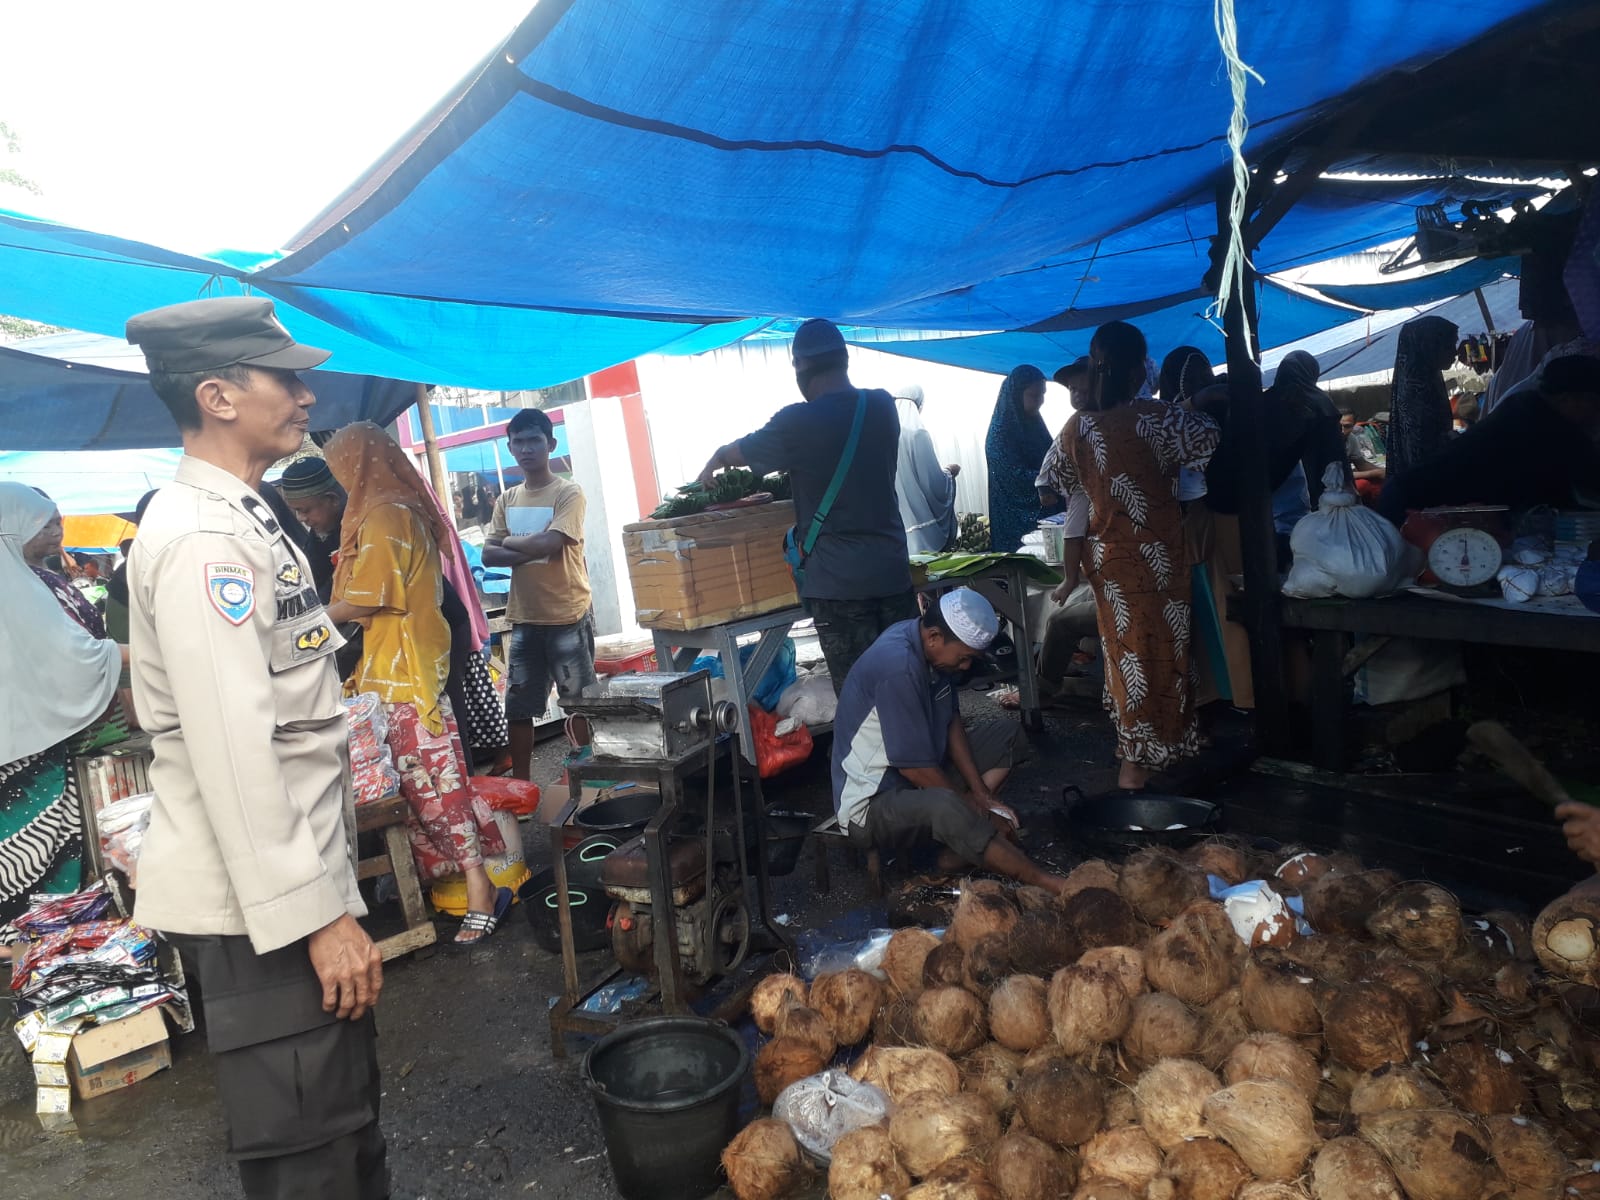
column 390, row 817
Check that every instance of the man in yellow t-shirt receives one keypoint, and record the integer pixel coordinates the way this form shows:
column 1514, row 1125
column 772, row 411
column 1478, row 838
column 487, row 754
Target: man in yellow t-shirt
column 537, row 530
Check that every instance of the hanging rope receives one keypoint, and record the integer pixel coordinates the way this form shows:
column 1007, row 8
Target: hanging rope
column 1239, row 73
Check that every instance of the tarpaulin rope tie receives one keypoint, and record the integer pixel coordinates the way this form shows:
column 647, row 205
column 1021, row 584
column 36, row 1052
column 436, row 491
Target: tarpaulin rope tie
column 1239, row 71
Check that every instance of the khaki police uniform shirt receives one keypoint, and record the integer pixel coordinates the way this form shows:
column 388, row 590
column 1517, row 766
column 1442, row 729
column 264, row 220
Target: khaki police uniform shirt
column 233, row 675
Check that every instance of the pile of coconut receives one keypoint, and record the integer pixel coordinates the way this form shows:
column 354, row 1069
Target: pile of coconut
column 1138, row 1040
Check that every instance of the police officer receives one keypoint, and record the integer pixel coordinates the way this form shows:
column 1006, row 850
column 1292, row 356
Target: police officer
column 247, row 865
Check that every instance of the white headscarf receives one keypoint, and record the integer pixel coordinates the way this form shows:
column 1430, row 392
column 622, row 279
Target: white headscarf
column 55, row 677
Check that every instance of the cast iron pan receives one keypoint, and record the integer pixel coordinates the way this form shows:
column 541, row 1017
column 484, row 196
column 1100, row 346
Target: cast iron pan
column 1105, row 822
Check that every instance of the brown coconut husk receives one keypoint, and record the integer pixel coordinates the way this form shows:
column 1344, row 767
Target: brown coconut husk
column 1268, row 1123
column 1158, row 885
column 1272, row 1189
column 1367, row 1025
column 1338, row 904
column 1527, row 1156
column 1302, row 868
column 1413, row 981
column 1095, row 1188
column 1419, row 919
column 1092, row 873
column 1436, row 1154
column 945, row 966
column 951, row 1020
column 1122, row 1108
column 1019, row 1013
column 1348, row 1168
column 1024, row 1167
column 781, row 1062
column 1125, row 962
column 1170, row 1096
column 1042, row 942
column 1392, row 1088
column 1566, row 938
column 983, row 908
column 1273, row 1056
column 809, row 1026
column 930, row 1128
column 1088, row 1008
column 848, row 999
column 895, row 1024
column 1480, row 1078
column 865, row 1167
column 1035, row 899
column 772, row 995
column 1101, row 917
column 1223, row 1025
column 988, row 961
column 1161, row 1026
column 1200, row 1169
column 1330, row 959
column 1194, row 958
column 903, row 960
column 1126, row 1155
column 991, row 1071
column 902, row 1072
column 967, row 1169
column 1221, row 857
column 763, row 1162
column 1279, row 996
column 1513, row 983
column 953, row 1189
column 1059, row 1101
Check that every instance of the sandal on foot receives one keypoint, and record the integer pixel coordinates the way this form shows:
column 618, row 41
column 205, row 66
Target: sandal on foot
column 481, row 924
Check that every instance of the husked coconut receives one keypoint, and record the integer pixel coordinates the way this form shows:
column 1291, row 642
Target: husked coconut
column 1035, row 899
column 983, row 908
column 1125, row 962
column 809, row 1026
column 966, row 1170
column 1527, row 1156
column 1199, row 1169
column 1101, row 917
column 1419, row 919
column 1268, row 1123
column 848, row 1000
column 1273, row 1056
column 1338, row 904
column 1024, row 1167
column 763, row 1161
column 1158, row 885
column 930, row 1128
column 1019, row 1013
column 1411, row 980
column 1272, row 1189
column 900, row 1072
column 1279, row 996
column 1367, row 1025
column 1330, row 959
column 991, row 1071
column 1088, row 1008
column 954, row 1189
column 1059, row 1100
column 988, row 961
column 772, row 995
column 1122, row 1108
column 1042, row 942
column 904, row 957
column 1189, row 959
column 951, row 1019
column 1223, row 1025
column 783, row 1061
column 1093, row 873
column 1392, row 1087
column 1126, row 1155
column 945, row 966
column 1436, row 1154
column 1161, row 1026
column 865, row 1167
column 1348, row 1168
column 1566, row 938
column 895, row 1024
column 1095, row 1188
column 1224, row 859
column 1480, row 1078
column 1170, row 1096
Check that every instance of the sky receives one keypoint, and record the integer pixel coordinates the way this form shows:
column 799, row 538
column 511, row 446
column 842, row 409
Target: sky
column 208, row 125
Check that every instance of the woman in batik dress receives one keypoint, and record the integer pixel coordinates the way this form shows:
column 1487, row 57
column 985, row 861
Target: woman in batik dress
column 1119, row 458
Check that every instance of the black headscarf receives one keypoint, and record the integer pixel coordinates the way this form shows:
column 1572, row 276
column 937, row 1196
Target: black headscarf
column 1419, row 408
column 1320, row 442
column 1017, row 443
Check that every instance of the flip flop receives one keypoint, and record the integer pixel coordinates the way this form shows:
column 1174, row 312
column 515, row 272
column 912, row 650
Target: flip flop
column 482, row 924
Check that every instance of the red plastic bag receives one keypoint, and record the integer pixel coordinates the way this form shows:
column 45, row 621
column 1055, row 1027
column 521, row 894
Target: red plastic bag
column 776, row 754
column 515, row 796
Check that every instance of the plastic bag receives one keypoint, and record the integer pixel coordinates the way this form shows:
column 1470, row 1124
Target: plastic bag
column 372, row 770
column 515, row 796
column 1344, row 549
column 810, row 698
column 776, row 678
column 776, row 753
column 821, row 1109
column 865, row 955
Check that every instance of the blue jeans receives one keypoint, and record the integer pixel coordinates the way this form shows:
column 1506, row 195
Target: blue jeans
column 544, row 654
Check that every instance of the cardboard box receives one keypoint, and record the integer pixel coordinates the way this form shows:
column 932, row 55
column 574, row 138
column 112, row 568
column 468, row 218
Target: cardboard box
column 106, row 1058
column 710, row 568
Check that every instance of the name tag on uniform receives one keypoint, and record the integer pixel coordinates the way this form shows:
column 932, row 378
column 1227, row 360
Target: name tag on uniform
column 232, row 590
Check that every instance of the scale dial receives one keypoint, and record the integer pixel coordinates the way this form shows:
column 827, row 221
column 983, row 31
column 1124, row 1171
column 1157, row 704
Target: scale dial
column 1465, row 558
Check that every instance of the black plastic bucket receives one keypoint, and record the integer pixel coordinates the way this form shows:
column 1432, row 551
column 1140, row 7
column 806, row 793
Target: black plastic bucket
column 624, row 815
column 667, row 1091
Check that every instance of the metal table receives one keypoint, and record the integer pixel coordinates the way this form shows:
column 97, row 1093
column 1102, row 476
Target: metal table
column 1005, row 585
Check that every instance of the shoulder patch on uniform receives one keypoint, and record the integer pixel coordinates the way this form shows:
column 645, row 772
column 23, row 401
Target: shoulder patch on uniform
column 232, row 590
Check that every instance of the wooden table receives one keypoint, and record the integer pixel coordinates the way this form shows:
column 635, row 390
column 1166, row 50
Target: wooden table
column 388, row 816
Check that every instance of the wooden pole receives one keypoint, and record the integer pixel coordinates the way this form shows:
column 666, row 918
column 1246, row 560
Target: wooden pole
column 1258, row 543
column 430, row 444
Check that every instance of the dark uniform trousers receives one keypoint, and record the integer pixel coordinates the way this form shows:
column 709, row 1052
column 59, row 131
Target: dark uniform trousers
column 299, row 1087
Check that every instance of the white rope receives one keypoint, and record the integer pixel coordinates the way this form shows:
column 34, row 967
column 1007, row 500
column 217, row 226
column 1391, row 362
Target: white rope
column 1233, row 263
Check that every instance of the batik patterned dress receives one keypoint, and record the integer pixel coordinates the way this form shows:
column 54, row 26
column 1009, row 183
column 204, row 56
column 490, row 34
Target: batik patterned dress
column 1125, row 461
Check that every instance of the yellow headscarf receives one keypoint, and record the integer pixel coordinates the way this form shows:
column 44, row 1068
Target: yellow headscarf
column 374, row 471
